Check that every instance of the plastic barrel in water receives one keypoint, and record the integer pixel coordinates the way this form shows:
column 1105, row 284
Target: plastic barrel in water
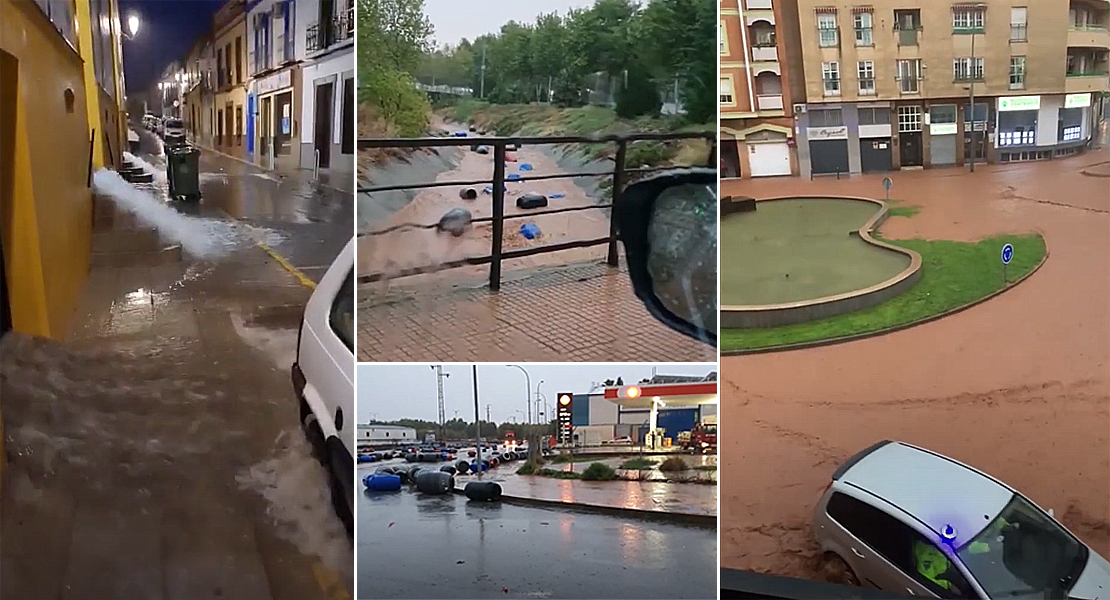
column 483, row 491
column 508, row 456
column 435, row 482
column 384, row 471
column 382, row 483
column 462, row 466
column 410, row 457
column 447, row 469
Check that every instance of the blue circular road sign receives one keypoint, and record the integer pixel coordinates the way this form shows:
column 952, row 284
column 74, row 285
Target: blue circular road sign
column 1007, row 253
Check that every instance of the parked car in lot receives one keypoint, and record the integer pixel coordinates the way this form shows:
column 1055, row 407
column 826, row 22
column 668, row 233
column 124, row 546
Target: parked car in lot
column 621, row 441
column 907, row 520
column 323, row 378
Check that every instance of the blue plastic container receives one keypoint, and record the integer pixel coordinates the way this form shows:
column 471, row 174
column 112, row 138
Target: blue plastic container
column 557, row 195
column 382, row 483
column 529, row 231
column 512, row 176
column 525, row 166
column 365, row 458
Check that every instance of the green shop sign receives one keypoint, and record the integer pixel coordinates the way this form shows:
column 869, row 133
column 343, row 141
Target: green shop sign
column 1077, row 100
column 1012, row 103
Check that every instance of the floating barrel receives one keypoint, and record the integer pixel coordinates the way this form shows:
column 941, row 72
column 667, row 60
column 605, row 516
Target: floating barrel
column 384, row 471
column 413, row 472
column 508, row 456
column 410, row 457
column 382, row 483
column 462, row 466
column 435, row 482
column 494, row 462
column 483, row 491
column 448, row 469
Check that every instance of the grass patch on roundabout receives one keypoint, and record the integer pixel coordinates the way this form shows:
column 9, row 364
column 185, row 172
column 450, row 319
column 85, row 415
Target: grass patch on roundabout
column 638, row 464
column 953, row 274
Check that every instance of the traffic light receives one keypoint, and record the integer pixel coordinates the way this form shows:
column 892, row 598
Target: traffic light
column 563, row 417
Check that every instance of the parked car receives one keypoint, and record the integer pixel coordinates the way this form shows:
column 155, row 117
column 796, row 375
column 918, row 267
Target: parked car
column 173, row 131
column 621, row 441
column 907, row 520
column 323, row 378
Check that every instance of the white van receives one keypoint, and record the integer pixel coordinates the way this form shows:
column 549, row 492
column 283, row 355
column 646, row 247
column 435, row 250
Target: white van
column 323, row 378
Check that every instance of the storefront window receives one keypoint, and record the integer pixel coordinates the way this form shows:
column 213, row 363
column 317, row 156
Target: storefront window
column 945, row 113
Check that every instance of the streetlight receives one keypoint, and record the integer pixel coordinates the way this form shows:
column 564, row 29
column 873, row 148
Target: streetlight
column 527, row 390
column 133, row 24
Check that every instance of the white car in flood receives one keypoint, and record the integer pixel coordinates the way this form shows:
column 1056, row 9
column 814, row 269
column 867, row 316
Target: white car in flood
column 323, row 377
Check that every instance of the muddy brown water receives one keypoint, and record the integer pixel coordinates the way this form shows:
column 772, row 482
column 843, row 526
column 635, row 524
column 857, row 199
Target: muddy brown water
column 1018, row 387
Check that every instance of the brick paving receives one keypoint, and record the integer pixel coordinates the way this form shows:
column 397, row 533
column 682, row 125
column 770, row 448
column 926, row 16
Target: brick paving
column 579, row 313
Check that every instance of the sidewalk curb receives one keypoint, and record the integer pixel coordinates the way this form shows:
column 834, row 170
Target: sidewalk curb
column 696, row 520
column 261, row 168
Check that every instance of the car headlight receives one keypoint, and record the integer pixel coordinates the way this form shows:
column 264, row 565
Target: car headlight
column 704, row 444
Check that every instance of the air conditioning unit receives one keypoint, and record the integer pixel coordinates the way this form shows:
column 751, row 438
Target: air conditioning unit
column 799, row 109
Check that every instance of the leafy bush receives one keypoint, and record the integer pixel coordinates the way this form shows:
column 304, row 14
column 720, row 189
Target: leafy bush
column 599, row 472
column 674, row 463
column 530, row 467
column 639, row 96
column 638, row 464
column 397, row 100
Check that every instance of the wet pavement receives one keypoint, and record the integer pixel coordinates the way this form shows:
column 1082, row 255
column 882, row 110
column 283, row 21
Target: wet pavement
column 168, row 413
column 417, row 546
column 1018, row 386
column 579, row 313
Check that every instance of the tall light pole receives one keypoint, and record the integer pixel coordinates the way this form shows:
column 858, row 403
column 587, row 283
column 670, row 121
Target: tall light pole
column 538, row 400
column 440, row 376
column 527, row 390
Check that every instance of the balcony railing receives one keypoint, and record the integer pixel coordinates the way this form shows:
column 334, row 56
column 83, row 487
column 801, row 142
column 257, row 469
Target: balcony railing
column 765, row 53
column 325, row 34
column 769, row 101
column 907, row 37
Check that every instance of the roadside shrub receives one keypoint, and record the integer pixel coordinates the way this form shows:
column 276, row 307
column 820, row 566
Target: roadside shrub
column 599, row 472
column 530, row 467
column 674, row 463
column 638, row 464
column 640, row 96
column 397, row 99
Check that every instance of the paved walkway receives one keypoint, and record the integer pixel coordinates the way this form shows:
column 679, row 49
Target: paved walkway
column 1018, row 386
column 157, row 453
column 580, row 313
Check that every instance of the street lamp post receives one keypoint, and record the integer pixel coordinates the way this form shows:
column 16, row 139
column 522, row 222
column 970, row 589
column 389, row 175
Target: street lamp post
column 528, row 390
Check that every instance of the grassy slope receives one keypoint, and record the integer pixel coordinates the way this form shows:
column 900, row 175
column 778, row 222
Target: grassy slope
column 543, row 119
column 953, row 274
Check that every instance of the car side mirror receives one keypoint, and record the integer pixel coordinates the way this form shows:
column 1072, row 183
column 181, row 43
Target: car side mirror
column 668, row 225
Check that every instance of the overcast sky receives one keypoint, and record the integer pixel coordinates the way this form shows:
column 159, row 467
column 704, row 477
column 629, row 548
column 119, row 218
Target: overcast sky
column 458, row 19
column 387, row 392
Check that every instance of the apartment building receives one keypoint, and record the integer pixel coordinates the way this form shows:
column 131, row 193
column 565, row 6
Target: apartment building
column 758, row 44
column 274, row 96
column 328, row 75
column 229, row 39
column 892, row 85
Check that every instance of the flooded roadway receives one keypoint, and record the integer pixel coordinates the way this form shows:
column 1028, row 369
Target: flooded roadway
column 168, row 414
column 417, row 546
column 1018, row 387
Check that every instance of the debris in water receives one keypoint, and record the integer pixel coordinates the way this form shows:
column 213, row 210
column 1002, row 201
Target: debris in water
column 455, row 221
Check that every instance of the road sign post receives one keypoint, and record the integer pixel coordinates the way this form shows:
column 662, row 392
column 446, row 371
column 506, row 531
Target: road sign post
column 1007, row 256
column 887, row 184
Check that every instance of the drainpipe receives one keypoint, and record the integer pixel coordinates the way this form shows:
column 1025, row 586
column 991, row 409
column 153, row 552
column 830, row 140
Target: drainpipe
column 747, row 56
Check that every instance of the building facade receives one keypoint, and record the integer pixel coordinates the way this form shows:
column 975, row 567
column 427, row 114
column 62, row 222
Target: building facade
column 61, row 111
column 327, row 137
column 275, row 92
column 757, row 87
column 888, row 86
column 199, row 96
column 230, row 44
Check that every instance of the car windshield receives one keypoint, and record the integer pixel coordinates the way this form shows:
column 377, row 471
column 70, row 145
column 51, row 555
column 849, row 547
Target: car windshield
column 1024, row 553
column 173, row 122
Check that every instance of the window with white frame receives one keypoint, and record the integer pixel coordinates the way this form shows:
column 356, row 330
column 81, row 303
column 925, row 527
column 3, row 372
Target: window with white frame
column 1019, row 27
column 908, row 74
column 967, row 69
column 968, row 18
column 722, row 31
column 865, row 69
column 862, row 22
column 830, row 75
column 726, row 91
column 874, row 116
column 1072, row 133
column 1017, row 72
column 826, row 29
column 909, row 119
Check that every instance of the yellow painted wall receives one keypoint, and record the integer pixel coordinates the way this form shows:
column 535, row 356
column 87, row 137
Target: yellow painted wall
column 47, row 204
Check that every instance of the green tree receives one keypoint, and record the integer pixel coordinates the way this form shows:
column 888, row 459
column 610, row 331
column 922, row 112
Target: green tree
column 639, row 95
column 680, row 36
column 393, row 33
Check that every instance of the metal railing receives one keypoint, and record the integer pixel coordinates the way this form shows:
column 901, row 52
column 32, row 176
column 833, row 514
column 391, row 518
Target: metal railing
column 326, row 33
column 620, row 177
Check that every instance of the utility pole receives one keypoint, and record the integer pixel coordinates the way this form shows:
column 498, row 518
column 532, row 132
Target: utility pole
column 482, row 92
column 478, row 423
column 971, row 105
column 487, row 415
column 440, row 376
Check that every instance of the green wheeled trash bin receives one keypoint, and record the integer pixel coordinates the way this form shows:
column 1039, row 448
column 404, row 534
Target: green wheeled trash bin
column 183, row 172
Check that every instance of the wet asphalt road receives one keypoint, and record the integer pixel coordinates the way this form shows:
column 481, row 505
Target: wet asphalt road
column 416, row 546
column 313, row 220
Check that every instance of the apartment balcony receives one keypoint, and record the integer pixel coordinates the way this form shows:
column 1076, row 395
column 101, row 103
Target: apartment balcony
column 761, row 14
column 322, row 35
column 765, row 54
column 1089, row 36
column 769, row 102
column 758, row 4
column 1092, row 81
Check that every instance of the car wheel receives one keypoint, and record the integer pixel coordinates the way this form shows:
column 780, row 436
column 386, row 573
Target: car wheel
column 315, row 437
column 834, row 569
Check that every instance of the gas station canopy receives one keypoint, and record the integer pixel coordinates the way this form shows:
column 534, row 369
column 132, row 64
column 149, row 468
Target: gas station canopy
column 667, row 394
